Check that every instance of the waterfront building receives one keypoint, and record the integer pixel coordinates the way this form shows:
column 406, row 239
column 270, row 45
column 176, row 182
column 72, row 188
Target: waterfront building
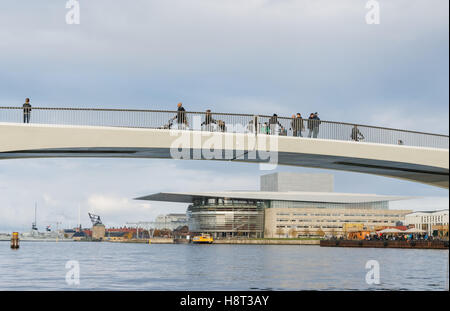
column 288, row 205
column 68, row 233
column 79, row 236
column 98, row 232
column 118, row 235
column 433, row 222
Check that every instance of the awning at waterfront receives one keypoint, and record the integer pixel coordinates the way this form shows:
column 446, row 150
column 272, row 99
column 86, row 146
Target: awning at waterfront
column 414, row 230
column 390, row 230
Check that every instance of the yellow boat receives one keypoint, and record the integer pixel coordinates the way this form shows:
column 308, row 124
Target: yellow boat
column 204, row 238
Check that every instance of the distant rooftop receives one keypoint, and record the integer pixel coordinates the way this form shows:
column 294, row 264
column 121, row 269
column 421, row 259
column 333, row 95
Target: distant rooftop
column 289, row 181
column 430, row 212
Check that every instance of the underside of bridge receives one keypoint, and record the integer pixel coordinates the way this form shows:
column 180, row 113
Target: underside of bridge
column 424, row 165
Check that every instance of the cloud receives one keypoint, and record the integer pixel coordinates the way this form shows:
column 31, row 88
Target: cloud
column 113, row 208
column 398, row 115
column 106, row 187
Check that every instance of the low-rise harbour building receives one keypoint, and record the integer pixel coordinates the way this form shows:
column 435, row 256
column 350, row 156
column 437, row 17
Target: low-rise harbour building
column 433, row 222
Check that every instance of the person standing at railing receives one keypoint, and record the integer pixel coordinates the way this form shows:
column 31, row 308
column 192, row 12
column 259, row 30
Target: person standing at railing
column 297, row 125
column 181, row 116
column 26, row 111
column 265, row 129
column 356, row 134
column 313, row 125
column 275, row 126
column 294, row 126
column 302, row 124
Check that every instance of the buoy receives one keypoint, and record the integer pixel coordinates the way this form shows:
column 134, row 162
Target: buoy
column 15, row 240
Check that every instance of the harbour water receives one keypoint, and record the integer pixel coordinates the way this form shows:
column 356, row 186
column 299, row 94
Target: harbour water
column 118, row 266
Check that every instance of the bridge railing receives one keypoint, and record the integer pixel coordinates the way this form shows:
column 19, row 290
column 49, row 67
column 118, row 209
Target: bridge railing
column 224, row 122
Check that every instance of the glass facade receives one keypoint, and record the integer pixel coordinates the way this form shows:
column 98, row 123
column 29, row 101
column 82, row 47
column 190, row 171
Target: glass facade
column 293, row 204
column 227, row 218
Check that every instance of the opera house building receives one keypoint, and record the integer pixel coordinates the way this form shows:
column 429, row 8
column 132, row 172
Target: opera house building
column 288, row 205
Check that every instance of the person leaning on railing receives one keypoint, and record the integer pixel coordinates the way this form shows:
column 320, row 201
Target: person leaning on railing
column 26, row 111
column 209, row 121
column 356, row 134
column 221, row 125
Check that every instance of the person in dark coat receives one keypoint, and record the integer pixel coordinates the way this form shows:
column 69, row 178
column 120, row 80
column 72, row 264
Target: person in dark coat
column 294, row 126
column 209, row 121
column 313, row 125
column 26, row 111
column 274, row 124
column 297, row 125
column 181, row 115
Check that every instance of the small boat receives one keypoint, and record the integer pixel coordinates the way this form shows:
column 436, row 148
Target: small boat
column 203, row 238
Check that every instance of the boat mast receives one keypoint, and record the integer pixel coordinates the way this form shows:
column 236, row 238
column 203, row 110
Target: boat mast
column 34, row 224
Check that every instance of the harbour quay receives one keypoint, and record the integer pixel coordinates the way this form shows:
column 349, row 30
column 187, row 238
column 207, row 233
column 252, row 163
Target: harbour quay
column 438, row 244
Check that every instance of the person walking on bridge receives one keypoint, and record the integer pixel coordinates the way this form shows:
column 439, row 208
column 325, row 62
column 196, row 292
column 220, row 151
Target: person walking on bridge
column 26, row 111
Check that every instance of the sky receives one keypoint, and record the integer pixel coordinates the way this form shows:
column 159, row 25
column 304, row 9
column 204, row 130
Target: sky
column 242, row 56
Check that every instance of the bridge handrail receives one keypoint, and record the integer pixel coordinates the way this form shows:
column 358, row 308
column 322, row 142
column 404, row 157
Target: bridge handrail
column 247, row 118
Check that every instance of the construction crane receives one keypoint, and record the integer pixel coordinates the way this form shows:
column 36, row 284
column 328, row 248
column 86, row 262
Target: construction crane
column 95, row 219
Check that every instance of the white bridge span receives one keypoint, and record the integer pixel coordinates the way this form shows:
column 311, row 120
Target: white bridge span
column 414, row 163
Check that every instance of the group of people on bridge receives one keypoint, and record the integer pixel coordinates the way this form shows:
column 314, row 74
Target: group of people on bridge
column 271, row 127
column 298, row 124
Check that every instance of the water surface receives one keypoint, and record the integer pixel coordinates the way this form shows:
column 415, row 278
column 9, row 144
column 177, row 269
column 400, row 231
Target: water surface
column 120, row 266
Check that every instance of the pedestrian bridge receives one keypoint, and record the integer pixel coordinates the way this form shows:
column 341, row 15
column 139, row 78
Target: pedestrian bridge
column 64, row 132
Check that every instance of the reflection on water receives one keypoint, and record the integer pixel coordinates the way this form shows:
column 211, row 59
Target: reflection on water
column 110, row 266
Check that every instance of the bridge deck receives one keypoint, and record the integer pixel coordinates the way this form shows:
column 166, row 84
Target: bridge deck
column 225, row 122
column 420, row 164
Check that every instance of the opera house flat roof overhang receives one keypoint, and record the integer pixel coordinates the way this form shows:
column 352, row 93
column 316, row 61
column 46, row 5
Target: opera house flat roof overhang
column 296, row 196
